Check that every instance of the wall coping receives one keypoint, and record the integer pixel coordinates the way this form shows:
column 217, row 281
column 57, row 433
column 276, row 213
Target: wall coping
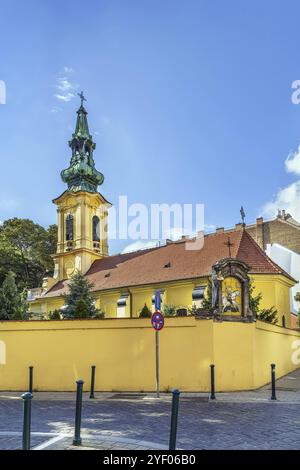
column 92, row 324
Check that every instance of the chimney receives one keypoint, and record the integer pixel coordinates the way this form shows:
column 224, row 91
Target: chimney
column 239, row 226
column 260, row 232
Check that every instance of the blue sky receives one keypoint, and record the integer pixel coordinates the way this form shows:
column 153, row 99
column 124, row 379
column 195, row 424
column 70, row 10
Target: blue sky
column 189, row 102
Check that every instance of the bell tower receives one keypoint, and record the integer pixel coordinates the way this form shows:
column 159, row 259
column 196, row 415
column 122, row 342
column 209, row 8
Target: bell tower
column 82, row 210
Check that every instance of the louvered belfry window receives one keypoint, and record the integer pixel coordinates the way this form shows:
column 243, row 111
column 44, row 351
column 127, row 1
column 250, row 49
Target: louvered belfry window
column 96, row 229
column 69, row 227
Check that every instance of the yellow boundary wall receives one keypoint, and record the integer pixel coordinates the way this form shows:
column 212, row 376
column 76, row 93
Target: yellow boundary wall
column 123, row 351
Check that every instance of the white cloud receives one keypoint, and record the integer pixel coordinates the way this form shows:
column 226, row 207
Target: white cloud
column 55, row 109
column 66, row 97
column 292, row 163
column 287, row 198
column 209, row 228
column 174, row 233
column 66, row 90
column 140, row 245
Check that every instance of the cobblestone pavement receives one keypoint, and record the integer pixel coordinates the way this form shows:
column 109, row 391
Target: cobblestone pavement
column 241, row 420
column 210, row 425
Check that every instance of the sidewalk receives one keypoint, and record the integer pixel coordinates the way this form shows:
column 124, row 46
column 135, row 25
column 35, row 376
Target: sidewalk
column 93, row 442
column 287, row 391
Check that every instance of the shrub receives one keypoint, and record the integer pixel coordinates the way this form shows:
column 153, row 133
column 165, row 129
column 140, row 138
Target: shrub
column 169, row 310
column 207, row 300
column 266, row 314
column 145, row 312
column 99, row 315
column 55, row 315
column 194, row 310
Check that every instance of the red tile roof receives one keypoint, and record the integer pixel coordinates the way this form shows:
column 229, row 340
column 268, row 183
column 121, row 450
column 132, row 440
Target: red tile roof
column 149, row 266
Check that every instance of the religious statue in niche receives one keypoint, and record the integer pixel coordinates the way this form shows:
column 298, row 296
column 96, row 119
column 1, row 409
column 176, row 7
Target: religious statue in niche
column 231, row 295
column 230, row 290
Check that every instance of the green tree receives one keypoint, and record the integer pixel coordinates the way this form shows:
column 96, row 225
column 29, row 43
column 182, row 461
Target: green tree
column 207, row 300
column 79, row 301
column 266, row 314
column 13, row 305
column 145, row 312
column 81, row 309
column 26, row 248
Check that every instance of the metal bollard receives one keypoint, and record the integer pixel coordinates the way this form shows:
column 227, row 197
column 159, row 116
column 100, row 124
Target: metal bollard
column 27, row 397
column 30, row 382
column 212, row 382
column 93, row 382
column 77, row 438
column 273, row 396
column 174, row 417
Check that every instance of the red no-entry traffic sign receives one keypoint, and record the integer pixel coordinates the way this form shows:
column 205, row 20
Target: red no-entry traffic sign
column 157, row 320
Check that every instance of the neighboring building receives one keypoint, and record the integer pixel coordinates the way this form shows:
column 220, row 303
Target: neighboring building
column 283, row 230
column 124, row 283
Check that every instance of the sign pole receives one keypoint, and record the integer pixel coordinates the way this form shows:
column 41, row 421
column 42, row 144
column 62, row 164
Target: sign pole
column 157, row 321
column 157, row 362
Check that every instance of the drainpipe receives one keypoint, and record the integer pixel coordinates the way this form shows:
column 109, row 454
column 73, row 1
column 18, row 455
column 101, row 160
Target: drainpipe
column 130, row 303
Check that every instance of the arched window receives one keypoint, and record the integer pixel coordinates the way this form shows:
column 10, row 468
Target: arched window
column 69, row 227
column 96, row 229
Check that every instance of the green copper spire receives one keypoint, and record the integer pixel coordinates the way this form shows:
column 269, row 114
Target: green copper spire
column 82, row 174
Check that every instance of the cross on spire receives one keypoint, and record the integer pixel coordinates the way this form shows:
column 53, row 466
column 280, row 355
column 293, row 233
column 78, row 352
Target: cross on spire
column 82, row 97
column 229, row 245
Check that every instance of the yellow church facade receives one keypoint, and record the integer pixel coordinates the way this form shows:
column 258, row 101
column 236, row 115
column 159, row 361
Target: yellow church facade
column 275, row 292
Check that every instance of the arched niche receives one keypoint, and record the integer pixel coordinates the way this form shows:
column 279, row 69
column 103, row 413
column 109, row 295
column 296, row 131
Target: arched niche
column 231, row 289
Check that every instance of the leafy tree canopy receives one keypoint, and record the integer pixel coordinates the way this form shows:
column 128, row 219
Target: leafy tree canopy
column 13, row 305
column 25, row 249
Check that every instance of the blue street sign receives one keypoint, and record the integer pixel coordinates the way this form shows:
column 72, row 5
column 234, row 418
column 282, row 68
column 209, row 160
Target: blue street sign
column 157, row 300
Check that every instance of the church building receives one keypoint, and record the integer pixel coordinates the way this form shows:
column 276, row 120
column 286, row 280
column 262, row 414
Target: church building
column 229, row 264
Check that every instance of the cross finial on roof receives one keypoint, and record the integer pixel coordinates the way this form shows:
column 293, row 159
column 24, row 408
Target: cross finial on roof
column 82, row 97
column 229, row 245
column 243, row 215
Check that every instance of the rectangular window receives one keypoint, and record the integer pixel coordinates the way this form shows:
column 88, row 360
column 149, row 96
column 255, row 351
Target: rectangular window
column 121, row 305
column 198, row 296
